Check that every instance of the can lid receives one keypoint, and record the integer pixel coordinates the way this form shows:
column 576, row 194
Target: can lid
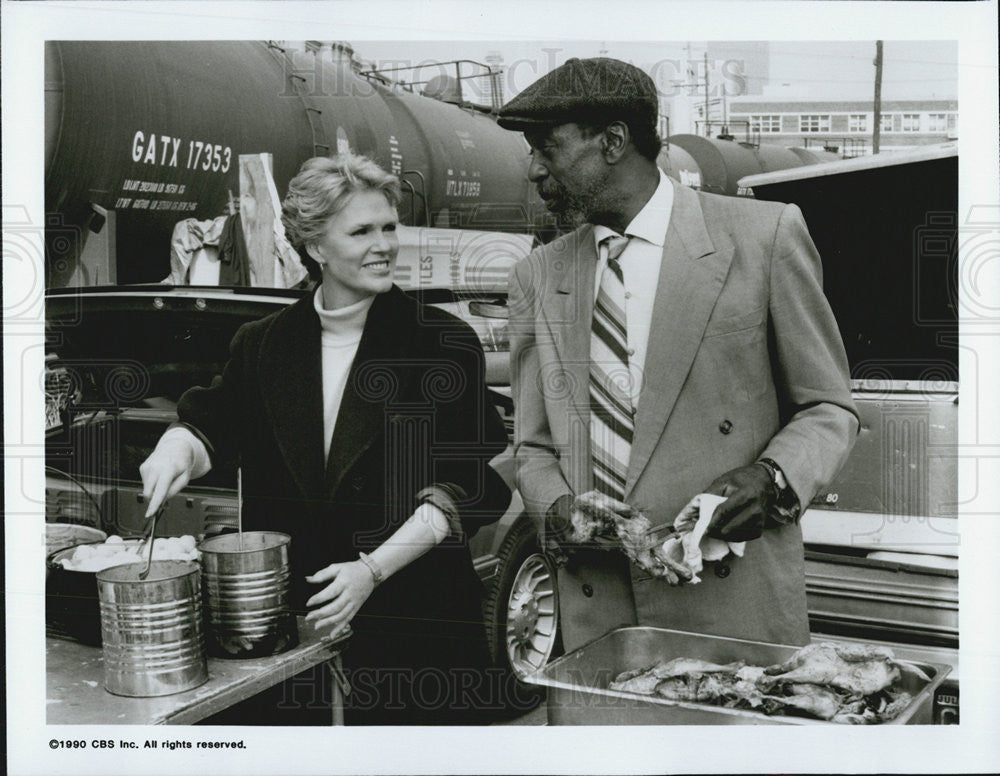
column 159, row 570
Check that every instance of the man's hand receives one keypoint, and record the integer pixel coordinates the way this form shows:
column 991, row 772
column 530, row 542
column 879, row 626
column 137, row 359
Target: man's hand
column 751, row 494
column 558, row 530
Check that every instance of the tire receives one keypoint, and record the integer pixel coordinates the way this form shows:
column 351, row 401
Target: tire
column 525, row 586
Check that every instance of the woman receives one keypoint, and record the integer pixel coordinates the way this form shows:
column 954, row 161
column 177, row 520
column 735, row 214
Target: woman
column 364, row 430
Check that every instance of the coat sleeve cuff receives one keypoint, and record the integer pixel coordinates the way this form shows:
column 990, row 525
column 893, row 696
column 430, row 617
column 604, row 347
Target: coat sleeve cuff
column 444, row 496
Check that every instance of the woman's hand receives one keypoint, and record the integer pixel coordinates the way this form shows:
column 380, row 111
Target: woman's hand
column 167, row 470
column 350, row 585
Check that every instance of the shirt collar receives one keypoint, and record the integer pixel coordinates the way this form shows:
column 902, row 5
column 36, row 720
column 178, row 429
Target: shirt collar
column 650, row 223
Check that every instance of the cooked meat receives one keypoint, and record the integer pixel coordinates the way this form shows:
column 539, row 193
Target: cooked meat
column 895, row 707
column 588, row 520
column 641, row 682
column 678, row 688
column 832, row 653
column 715, row 687
column 746, row 685
column 680, row 666
column 857, row 671
column 596, row 515
column 701, row 688
column 815, row 700
column 644, row 681
column 849, row 684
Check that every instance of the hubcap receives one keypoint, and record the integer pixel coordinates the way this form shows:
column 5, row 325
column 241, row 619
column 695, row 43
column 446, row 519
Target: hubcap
column 532, row 616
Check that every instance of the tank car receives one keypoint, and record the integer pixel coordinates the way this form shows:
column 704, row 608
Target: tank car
column 153, row 130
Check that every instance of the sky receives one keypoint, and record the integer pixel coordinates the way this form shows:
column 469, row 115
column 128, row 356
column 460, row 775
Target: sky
column 826, row 70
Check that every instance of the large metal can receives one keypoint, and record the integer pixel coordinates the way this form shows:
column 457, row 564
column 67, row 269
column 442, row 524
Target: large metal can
column 246, row 586
column 151, row 629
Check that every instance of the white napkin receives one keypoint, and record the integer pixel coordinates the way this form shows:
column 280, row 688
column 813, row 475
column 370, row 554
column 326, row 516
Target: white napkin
column 690, row 545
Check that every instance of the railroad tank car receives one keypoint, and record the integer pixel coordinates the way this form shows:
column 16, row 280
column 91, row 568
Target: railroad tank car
column 153, row 130
column 722, row 162
column 772, row 157
column 813, row 156
column 679, row 164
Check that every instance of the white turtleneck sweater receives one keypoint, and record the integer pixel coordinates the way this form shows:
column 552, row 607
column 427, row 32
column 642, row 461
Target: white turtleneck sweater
column 340, row 336
column 341, row 333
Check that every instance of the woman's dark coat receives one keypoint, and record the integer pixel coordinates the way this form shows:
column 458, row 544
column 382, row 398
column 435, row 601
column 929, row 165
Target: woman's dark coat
column 415, row 412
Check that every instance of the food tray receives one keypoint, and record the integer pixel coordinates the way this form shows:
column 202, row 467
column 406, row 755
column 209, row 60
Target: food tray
column 578, row 695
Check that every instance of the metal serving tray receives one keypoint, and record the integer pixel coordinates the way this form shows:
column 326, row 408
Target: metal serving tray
column 578, row 695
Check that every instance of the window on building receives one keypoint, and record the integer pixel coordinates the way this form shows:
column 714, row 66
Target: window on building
column 857, row 122
column 937, row 122
column 765, row 123
column 814, row 123
column 952, row 125
column 886, row 124
column 909, row 122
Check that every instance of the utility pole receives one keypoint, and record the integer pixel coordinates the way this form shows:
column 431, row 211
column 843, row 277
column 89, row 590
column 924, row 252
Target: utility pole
column 877, row 131
column 708, row 128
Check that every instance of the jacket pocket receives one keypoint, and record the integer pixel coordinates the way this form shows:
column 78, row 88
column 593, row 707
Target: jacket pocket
column 727, row 324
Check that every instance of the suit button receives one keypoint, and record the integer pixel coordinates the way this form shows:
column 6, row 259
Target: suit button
column 357, row 482
column 588, row 591
column 725, row 426
column 722, row 570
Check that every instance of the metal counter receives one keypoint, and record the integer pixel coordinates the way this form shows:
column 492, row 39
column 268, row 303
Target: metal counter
column 75, row 691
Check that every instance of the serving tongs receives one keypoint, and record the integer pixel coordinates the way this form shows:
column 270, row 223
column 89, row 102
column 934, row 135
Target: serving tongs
column 152, row 532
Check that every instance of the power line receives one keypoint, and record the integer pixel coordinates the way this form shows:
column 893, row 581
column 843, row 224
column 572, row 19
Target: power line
column 844, row 80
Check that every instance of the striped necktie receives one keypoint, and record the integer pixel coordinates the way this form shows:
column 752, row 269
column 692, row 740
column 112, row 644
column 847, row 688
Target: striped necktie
column 611, row 411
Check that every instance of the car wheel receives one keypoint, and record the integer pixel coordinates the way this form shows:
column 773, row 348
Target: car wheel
column 522, row 609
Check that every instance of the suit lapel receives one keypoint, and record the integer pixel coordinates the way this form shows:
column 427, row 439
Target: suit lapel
column 291, row 388
column 568, row 308
column 692, row 274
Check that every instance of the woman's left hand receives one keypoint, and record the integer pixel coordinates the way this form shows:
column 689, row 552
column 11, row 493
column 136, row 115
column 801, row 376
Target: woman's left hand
column 350, row 585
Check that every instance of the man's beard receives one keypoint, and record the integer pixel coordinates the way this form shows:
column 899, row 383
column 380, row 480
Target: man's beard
column 571, row 208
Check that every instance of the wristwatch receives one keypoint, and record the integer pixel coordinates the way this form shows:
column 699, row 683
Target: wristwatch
column 777, row 476
column 786, row 508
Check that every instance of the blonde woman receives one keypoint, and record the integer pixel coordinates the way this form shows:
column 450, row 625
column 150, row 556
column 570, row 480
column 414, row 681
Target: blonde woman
column 364, row 431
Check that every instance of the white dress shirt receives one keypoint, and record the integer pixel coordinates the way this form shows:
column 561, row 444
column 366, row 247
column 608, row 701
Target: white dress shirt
column 341, row 334
column 640, row 263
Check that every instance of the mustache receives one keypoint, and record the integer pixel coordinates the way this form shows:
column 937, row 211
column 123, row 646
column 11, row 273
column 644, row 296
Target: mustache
column 552, row 191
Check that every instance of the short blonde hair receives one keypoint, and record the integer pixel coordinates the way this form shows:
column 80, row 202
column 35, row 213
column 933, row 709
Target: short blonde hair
column 321, row 189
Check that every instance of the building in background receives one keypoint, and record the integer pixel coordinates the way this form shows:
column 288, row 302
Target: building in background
column 844, row 125
column 812, row 95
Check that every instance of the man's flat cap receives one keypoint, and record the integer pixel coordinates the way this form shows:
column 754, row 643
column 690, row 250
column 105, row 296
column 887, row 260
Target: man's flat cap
column 583, row 90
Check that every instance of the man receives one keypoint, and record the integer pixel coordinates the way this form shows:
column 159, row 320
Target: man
column 697, row 354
